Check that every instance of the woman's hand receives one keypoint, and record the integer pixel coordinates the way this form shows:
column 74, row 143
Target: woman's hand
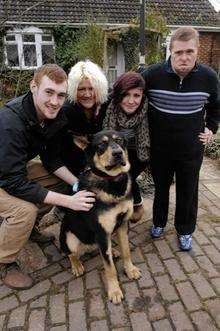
column 206, row 136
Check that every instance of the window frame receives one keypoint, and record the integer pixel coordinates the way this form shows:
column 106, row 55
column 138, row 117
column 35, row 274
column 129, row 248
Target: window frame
column 39, row 42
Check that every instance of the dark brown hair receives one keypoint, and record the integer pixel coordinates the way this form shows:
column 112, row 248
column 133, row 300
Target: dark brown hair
column 124, row 83
column 52, row 71
column 184, row 34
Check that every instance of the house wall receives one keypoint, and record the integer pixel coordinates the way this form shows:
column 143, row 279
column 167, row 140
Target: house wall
column 209, row 51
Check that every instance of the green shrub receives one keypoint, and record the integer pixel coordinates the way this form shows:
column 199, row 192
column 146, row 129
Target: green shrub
column 91, row 44
column 65, row 51
column 2, row 102
column 155, row 36
column 212, row 150
column 73, row 45
column 14, row 82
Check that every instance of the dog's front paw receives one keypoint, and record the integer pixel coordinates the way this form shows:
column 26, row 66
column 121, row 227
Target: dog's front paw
column 77, row 268
column 133, row 272
column 115, row 295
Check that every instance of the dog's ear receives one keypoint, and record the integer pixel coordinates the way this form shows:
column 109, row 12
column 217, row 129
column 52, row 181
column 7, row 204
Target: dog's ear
column 81, row 141
column 126, row 134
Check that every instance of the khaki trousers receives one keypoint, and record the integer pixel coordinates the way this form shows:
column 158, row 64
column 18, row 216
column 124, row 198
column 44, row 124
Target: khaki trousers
column 19, row 216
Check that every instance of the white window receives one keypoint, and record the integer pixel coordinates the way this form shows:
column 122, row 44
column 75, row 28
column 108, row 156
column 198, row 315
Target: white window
column 28, row 48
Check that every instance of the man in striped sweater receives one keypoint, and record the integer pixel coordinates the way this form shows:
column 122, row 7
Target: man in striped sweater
column 184, row 104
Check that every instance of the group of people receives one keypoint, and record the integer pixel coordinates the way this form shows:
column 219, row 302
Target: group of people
column 168, row 112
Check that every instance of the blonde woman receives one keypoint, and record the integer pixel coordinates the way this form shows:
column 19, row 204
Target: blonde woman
column 87, row 93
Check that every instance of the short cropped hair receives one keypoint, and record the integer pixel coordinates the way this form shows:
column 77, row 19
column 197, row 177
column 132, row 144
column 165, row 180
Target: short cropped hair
column 52, row 71
column 184, row 34
column 88, row 70
column 124, row 83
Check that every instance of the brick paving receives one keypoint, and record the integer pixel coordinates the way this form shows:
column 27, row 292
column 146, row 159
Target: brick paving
column 177, row 291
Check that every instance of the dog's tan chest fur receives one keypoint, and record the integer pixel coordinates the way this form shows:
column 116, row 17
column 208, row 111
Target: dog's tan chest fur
column 109, row 218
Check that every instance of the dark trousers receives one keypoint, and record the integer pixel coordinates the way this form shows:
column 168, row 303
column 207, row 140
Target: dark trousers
column 186, row 170
column 137, row 167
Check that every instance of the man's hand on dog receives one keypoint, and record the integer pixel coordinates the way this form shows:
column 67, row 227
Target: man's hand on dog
column 82, row 200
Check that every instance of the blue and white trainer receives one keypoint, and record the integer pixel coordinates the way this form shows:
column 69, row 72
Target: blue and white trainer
column 185, row 242
column 156, row 231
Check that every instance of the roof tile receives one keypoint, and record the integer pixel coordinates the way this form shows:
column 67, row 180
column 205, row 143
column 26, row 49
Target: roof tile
column 179, row 12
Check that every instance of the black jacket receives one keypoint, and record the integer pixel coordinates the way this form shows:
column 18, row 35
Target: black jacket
column 22, row 139
column 180, row 109
column 77, row 124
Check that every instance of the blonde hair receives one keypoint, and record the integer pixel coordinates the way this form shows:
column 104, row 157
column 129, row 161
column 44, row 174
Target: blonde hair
column 184, row 33
column 87, row 70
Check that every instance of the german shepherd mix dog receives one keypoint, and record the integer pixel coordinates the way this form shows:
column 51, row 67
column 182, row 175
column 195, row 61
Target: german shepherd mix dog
column 107, row 176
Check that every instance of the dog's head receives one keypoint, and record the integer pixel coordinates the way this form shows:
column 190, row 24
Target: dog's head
column 107, row 152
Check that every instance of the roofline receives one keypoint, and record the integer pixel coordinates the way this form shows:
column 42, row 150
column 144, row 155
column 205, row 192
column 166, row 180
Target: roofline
column 197, row 27
column 111, row 25
column 106, row 26
column 46, row 24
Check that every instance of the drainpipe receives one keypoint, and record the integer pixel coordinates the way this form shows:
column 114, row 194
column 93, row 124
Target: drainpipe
column 142, row 35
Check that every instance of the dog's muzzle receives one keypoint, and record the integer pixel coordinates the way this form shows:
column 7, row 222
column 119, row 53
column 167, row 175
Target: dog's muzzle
column 117, row 159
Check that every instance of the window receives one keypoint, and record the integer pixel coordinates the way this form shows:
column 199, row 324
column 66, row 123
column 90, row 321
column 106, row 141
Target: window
column 28, row 48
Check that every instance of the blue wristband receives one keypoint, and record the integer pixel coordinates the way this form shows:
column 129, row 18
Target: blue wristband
column 75, row 187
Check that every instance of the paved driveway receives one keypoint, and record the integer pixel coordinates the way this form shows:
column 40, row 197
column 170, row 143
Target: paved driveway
column 177, row 291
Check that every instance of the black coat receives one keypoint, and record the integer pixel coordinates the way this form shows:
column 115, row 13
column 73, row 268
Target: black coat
column 78, row 124
column 22, row 139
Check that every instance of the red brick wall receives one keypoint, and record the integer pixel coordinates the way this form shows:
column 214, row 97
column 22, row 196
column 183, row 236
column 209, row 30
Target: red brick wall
column 209, row 49
column 205, row 49
column 216, row 53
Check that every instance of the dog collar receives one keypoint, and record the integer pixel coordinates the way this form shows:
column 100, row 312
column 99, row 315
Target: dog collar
column 101, row 174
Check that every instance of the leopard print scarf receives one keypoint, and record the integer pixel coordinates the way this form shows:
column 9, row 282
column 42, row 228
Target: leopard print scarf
column 117, row 119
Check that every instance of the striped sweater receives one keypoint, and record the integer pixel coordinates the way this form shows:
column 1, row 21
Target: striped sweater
column 179, row 109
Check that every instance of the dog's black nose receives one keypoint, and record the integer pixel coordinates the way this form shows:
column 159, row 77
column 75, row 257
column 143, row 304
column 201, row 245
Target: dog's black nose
column 117, row 153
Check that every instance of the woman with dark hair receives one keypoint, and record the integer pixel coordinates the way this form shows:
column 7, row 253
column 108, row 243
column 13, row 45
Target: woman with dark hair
column 128, row 112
